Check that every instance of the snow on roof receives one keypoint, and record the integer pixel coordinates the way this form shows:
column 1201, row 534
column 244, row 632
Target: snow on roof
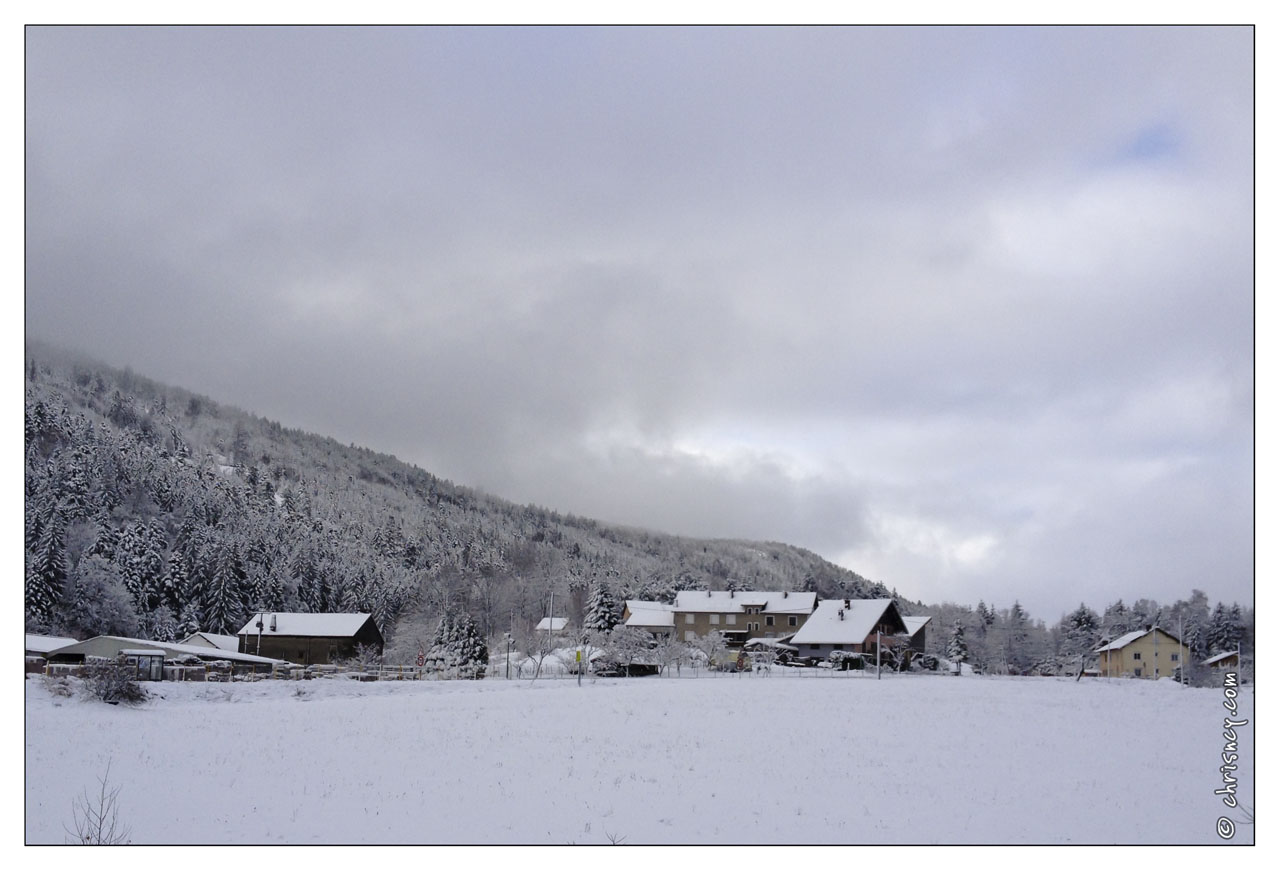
column 913, row 624
column 142, row 651
column 724, row 601
column 223, row 642
column 46, row 643
column 168, row 647
column 1221, row 656
column 1123, row 641
column 306, row 625
column 825, row 626
column 646, row 614
column 555, row 624
column 1130, row 637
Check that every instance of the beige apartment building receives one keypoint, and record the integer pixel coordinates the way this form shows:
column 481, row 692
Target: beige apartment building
column 740, row 615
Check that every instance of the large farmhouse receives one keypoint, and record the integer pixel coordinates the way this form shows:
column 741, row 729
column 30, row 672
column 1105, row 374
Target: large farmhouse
column 309, row 639
column 854, row 625
column 740, row 615
column 1149, row 653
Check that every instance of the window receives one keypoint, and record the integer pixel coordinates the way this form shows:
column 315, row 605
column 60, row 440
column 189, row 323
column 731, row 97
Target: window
column 1173, row 657
column 689, row 634
column 768, row 621
column 731, row 619
column 1137, row 654
column 754, row 627
column 715, row 619
column 688, row 619
column 1137, row 672
column 791, row 621
column 839, row 646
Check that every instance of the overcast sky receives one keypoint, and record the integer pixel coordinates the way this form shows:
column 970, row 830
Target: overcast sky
column 968, row 311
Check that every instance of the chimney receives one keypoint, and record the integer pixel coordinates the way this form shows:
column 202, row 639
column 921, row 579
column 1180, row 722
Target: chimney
column 841, row 613
column 273, row 622
column 708, row 594
column 784, row 594
column 846, row 603
column 731, row 594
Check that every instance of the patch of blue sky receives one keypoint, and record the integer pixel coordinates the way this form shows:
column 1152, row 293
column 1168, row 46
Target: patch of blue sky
column 1155, row 143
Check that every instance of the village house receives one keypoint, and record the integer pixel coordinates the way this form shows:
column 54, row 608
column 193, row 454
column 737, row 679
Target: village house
column 309, row 639
column 656, row 618
column 740, row 615
column 556, row 626
column 853, row 625
column 1224, row 661
column 1147, row 653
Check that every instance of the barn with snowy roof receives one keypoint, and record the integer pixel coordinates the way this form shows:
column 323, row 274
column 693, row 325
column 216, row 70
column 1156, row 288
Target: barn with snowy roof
column 309, row 639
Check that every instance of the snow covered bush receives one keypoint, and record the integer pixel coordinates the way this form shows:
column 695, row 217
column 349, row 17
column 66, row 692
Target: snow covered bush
column 111, row 683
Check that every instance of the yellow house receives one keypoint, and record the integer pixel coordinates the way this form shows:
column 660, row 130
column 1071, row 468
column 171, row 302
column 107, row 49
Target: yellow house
column 1149, row 653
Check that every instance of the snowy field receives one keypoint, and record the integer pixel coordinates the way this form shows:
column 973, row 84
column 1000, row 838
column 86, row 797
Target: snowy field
column 820, row 759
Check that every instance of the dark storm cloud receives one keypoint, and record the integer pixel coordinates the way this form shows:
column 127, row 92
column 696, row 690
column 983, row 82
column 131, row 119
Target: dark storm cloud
column 953, row 306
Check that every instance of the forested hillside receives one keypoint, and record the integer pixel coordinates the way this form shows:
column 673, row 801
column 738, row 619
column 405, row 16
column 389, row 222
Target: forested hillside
column 154, row 512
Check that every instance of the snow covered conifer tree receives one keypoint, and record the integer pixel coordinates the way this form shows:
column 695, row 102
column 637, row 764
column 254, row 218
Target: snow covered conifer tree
column 46, row 569
column 957, row 647
column 603, row 612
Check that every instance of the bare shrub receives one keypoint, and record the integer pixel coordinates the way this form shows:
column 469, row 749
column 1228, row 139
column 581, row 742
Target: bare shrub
column 96, row 819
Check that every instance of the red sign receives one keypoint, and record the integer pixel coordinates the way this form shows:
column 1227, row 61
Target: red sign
column 422, row 659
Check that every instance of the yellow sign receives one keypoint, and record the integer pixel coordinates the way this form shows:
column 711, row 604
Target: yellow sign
column 579, row 657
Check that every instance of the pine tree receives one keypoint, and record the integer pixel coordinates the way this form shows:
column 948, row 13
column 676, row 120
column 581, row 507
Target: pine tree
column 223, row 607
column 46, row 569
column 957, row 647
column 603, row 612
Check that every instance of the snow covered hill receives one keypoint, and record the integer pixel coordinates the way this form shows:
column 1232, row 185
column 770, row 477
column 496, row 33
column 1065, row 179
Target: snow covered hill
column 825, row 758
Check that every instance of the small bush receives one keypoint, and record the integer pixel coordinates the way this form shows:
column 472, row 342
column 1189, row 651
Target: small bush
column 113, row 684
column 59, row 687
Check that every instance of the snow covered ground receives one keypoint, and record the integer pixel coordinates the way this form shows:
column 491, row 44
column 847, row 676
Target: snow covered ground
column 824, row 758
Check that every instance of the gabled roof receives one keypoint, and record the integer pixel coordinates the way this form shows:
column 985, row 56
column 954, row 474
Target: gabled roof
column 222, row 642
column 555, row 624
column 826, row 626
column 1221, row 656
column 301, row 625
column 1129, row 637
column 46, row 643
column 915, row 623
column 725, row 601
column 644, row 614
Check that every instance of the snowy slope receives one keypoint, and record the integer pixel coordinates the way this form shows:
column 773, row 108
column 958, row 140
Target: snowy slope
column 823, row 758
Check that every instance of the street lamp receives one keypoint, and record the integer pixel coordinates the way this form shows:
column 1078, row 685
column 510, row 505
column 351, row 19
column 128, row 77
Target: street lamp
column 507, row 635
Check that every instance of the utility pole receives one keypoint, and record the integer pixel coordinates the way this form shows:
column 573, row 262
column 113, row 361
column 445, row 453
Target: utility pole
column 877, row 653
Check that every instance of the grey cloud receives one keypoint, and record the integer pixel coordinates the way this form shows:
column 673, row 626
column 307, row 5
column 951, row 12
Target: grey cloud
column 924, row 274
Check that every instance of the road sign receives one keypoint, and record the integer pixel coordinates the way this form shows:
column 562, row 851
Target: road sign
column 422, row 659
